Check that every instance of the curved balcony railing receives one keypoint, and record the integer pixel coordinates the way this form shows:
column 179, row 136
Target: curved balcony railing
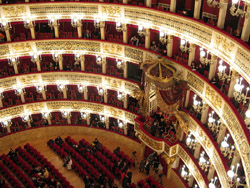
column 215, row 40
column 202, row 135
column 163, row 146
column 74, row 78
column 72, row 105
column 212, row 95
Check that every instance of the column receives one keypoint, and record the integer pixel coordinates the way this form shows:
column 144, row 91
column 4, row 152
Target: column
column 191, row 181
column 234, row 77
column 60, row 61
column 102, row 28
column 88, row 118
column 236, row 159
column 125, row 33
column 82, row 60
column 125, row 69
column 147, row 38
column 187, row 98
column 170, row 46
column 105, row 95
column 148, row 3
column 204, row 113
column 15, row 67
column 191, row 55
column 22, row 96
column 213, row 66
column 245, row 30
column 7, row 27
column 68, row 118
column 197, row 9
column 29, row 123
column 38, row 64
column 172, row 5
column 1, row 102
column 8, row 128
column 64, row 92
column 79, row 28
column 44, row 93
column 222, row 13
column 125, row 1
column 126, row 101
column 104, row 65
column 221, row 133
column 85, row 93
column 197, row 150
column 126, row 128
column 32, row 30
column 49, row 119
column 210, row 172
column 107, row 122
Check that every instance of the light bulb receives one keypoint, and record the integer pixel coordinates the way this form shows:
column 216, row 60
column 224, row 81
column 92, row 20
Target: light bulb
column 202, row 53
column 248, row 113
column 183, row 41
column 235, row 1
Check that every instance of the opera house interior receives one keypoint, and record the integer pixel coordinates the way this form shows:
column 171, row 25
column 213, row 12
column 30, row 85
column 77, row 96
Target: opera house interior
column 125, row 93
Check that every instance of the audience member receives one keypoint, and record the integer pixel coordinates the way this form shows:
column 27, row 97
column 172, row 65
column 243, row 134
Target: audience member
column 135, row 41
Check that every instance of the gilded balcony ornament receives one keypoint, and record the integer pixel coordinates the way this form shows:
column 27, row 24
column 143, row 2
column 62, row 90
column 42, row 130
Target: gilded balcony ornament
column 21, row 47
column 112, row 49
column 212, row 95
column 4, row 50
column 134, row 53
column 113, row 11
column 14, row 11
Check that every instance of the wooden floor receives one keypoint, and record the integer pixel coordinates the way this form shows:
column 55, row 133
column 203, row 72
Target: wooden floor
column 74, row 179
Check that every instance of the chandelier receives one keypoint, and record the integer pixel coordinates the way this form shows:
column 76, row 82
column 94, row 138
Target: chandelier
column 119, row 27
column 197, row 105
column 35, row 58
column 213, row 3
column 185, row 173
column 66, row 114
column 76, row 22
column 213, row 125
column 183, row 46
column 141, row 31
column 13, row 61
column 29, row 23
column 80, row 88
column 204, row 57
column 97, row 24
column 40, row 88
column 237, row 10
column 190, row 142
column 61, row 87
column 227, row 149
column 100, row 91
column 120, row 96
column 53, row 21
column 163, row 38
column 119, row 64
column 83, row 115
column 222, row 72
column 233, row 176
column 212, row 183
column 239, row 96
column 98, row 60
column 5, row 26
column 203, row 162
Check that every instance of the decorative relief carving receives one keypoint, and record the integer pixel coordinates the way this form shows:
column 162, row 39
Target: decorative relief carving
column 113, row 111
column 111, row 10
column 12, row 11
column 4, row 50
column 150, row 142
column 21, row 47
column 35, row 107
column 224, row 45
column 11, row 112
column 134, row 53
column 115, row 83
column 195, row 82
column 130, row 116
column 29, row 79
column 85, row 9
column 7, row 83
column 242, row 60
column 112, row 49
column 68, row 45
column 213, row 96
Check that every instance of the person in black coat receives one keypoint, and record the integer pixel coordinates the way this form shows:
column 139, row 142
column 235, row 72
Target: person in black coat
column 147, row 167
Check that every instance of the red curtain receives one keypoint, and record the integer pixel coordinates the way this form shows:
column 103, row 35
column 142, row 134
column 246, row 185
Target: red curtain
column 174, row 93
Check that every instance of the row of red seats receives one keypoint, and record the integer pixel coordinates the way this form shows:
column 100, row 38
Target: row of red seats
column 150, row 182
column 9, row 176
column 17, row 171
column 92, row 160
column 5, row 184
column 51, row 168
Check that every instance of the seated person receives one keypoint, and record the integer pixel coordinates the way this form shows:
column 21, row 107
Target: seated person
column 87, row 34
column 58, row 141
column 117, row 150
column 135, row 41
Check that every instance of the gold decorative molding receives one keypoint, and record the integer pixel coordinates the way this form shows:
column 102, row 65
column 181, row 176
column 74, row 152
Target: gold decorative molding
column 111, row 10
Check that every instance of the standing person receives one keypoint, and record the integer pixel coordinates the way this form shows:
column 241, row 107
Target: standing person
column 142, row 166
column 69, row 165
column 125, row 183
column 147, row 167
